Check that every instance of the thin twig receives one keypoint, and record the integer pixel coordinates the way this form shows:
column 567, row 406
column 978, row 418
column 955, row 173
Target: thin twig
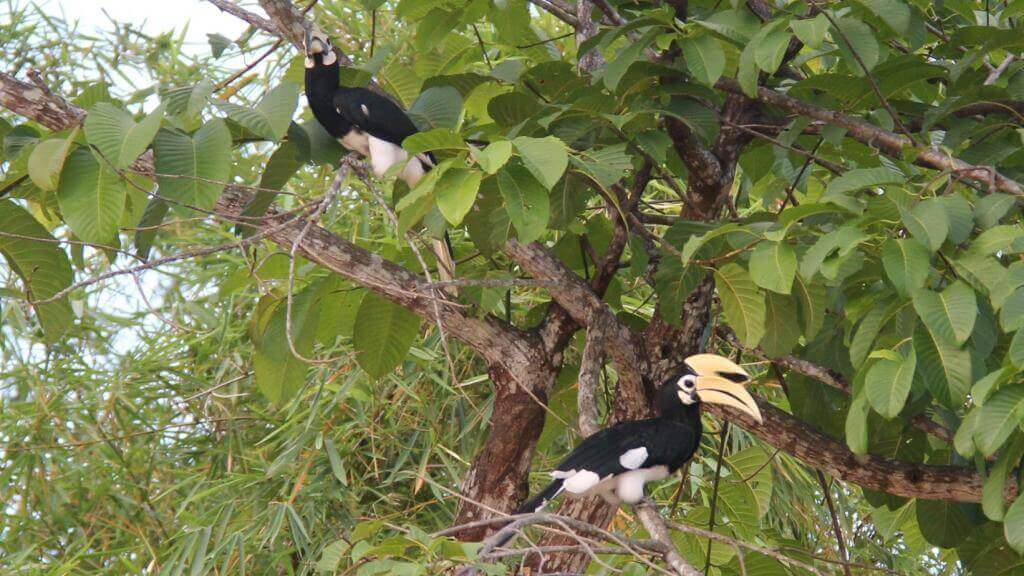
column 843, row 555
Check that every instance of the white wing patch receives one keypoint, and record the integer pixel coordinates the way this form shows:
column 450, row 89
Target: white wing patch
column 633, row 459
column 365, row 110
column 581, row 481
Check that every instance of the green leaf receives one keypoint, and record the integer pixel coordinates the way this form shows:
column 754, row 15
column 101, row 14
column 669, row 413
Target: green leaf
column 605, row 165
column 781, row 332
column 41, row 264
column 861, row 178
column 697, row 241
column 436, row 139
column 1002, row 413
column 857, row 425
column 993, row 491
column 742, row 303
column 773, row 266
column 195, row 167
column 998, row 238
column 959, row 213
column 888, row 384
column 950, row 314
column 119, row 138
column 496, row 155
column 907, row 264
column 47, row 160
column 456, row 193
column 384, row 332
column 859, row 39
column 1016, row 351
column 152, row 216
column 1013, row 525
column 748, row 72
column 283, row 164
column 811, row 300
column 944, row 368
column 437, row 107
column 992, row 208
column 867, row 331
column 943, row 523
column 616, row 68
column 218, row 44
column 545, row 158
column 928, row 223
column 894, row 13
column 770, row 50
column 963, row 441
column 811, row 31
column 91, row 197
column 526, row 200
column 705, row 58
column 271, row 117
column 279, row 374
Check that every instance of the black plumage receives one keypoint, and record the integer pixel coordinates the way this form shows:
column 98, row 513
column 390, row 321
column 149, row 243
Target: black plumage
column 618, row 461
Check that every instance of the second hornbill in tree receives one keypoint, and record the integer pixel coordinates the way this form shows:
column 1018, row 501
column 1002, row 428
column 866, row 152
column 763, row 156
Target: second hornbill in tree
column 618, row 461
column 367, row 123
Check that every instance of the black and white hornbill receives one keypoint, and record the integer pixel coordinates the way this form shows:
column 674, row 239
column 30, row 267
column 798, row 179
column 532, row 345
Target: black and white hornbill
column 618, row 461
column 366, row 123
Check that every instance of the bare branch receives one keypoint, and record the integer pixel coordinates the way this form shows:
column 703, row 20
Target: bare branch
column 657, row 528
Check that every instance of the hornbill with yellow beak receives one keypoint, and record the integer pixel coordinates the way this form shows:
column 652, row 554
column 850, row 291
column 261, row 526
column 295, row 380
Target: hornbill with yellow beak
column 618, row 461
column 367, row 123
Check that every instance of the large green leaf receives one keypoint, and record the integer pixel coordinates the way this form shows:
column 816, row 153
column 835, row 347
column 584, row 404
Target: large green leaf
column 705, row 58
column 456, row 192
column 942, row 523
column 781, row 332
column 907, row 264
column 1002, row 413
column 1013, row 525
column 773, row 266
column 438, row 107
column 605, row 165
column 928, row 223
column 857, row 38
column 283, row 164
column 436, row 139
column 546, row 158
column 888, row 384
column 811, row 31
column 278, row 372
column 193, row 169
column 770, row 50
column 742, row 303
column 496, row 155
column 47, row 160
column 943, row 367
column 990, row 209
column 526, row 200
column 997, row 238
column 271, row 117
column 384, row 332
column 43, row 267
column 894, row 13
column 117, row 136
column 91, row 197
column 950, row 314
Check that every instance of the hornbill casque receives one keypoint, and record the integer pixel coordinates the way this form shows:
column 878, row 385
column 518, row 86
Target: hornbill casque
column 367, row 123
column 616, row 463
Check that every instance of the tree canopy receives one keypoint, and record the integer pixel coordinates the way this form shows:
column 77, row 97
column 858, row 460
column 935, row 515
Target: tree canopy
column 225, row 347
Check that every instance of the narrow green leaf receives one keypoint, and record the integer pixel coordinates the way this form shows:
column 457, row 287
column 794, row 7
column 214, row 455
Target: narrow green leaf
column 993, row 492
column 526, row 200
column 384, row 332
column 456, row 193
column 91, row 197
column 773, row 266
column 888, row 384
column 742, row 303
column 857, row 424
column 963, row 440
column 811, row 301
column 545, row 158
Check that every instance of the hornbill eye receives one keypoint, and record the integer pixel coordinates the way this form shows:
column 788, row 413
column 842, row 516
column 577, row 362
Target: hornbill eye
column 688, row 382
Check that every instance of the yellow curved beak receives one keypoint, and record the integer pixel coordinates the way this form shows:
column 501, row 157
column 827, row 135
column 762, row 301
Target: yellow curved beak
column 720, row 381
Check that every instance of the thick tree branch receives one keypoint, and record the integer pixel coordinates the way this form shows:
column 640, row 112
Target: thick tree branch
column 887, row 142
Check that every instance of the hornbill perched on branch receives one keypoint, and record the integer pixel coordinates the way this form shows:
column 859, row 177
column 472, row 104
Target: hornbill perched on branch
column 617, row 462
column 366, row 123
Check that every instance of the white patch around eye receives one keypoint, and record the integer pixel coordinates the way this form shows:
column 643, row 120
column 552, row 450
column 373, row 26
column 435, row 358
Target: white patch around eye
column 309, row 62
column 330, row 57
column 687, row 398
column 633, row 459
column 365, row 110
